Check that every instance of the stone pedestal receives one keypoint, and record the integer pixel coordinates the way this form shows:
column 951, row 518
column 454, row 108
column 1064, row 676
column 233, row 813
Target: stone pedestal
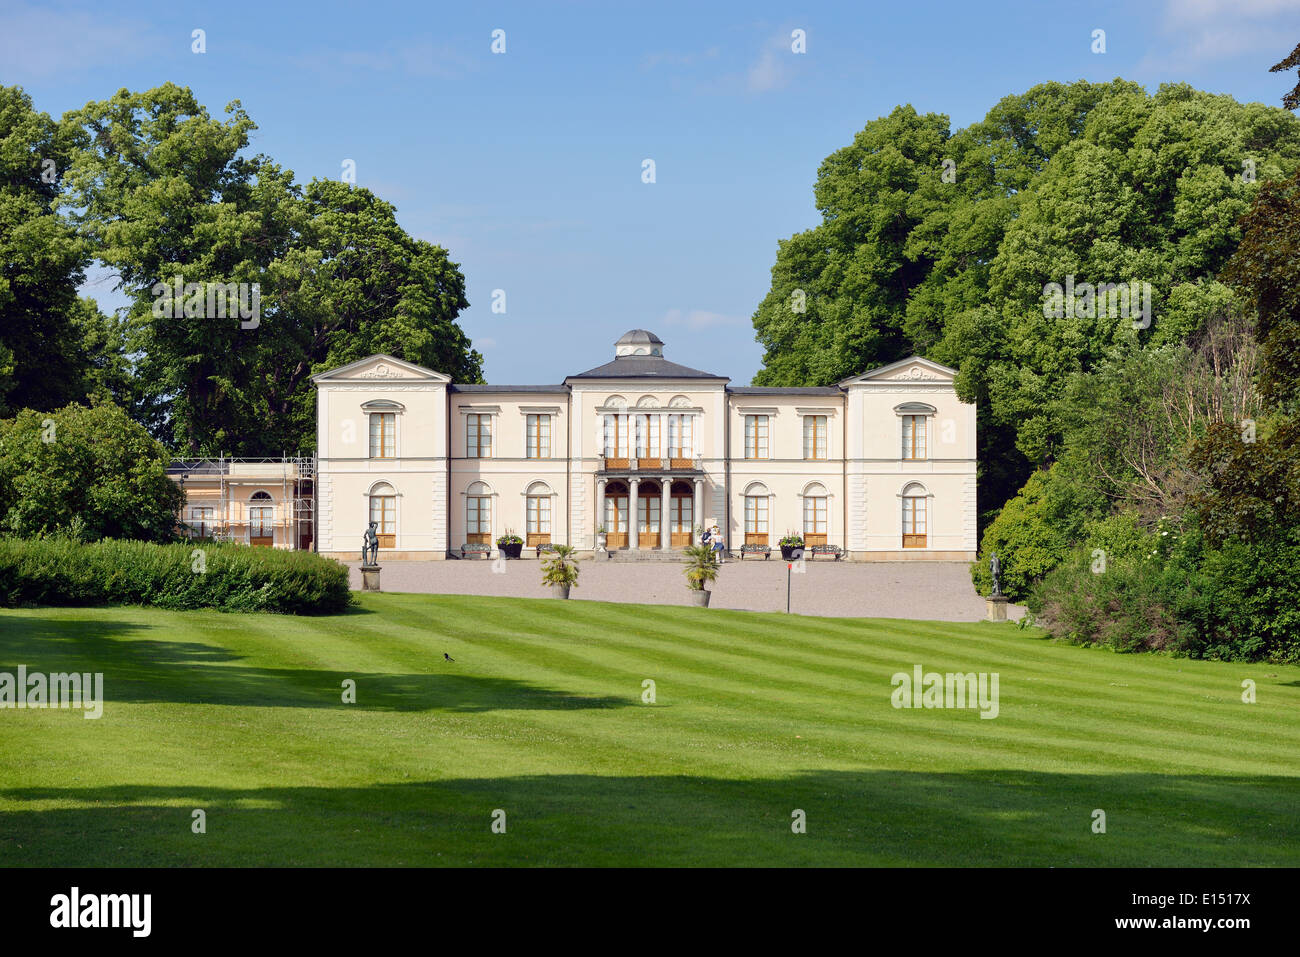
column 370, row 578
column 997, row 607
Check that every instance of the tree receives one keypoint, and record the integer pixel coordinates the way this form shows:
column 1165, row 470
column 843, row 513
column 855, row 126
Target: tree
column 42, row 263
column 163, row 190
column 90, row 470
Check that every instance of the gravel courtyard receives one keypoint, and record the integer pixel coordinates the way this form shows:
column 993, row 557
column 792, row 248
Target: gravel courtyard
column 931, row 591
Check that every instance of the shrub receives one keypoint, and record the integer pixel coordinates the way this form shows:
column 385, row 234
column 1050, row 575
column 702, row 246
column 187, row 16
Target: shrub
column 89, row 465
column 62, row 571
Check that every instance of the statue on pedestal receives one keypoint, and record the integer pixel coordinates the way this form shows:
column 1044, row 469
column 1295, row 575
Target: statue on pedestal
column 995, row 569
column 370, row 544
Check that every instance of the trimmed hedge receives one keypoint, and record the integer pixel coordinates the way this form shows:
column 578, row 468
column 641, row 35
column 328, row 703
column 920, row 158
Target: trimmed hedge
column 59, row 571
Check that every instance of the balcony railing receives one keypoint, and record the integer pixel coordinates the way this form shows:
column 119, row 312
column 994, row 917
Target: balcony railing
column 656, row 464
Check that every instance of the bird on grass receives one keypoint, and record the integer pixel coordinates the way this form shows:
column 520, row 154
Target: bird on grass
column 448, row 657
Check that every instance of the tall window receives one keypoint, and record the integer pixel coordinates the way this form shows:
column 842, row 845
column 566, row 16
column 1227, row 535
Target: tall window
column 261, row 519
column 814, row 436
column 814, row 518
column 478, row 515
column 539, row 437
column 478, row 435
column 539, row 519
column 647, row 436
column 383, row 512
column 383, row 435
column 755, row 436
column 755, row 519
column 681, row 442
column 914, row 517
column 616, row 445
column 914, row 436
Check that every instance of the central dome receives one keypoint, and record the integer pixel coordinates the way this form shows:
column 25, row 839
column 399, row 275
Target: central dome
column 639, row 342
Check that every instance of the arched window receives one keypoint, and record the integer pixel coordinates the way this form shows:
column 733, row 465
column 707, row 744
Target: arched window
column 756, row 503
column 261, row 519
column 383, row 512
column 538, row 514
column 815, row 514
column 915, row 516
column 478, row 514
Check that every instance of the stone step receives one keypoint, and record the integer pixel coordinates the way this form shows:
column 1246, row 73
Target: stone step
column 643, row 555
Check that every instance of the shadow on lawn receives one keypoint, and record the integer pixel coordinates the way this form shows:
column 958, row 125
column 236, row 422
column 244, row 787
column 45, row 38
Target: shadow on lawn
column 180, row 672
column 977, row 818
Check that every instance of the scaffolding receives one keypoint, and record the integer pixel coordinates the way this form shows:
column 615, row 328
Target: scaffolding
column 234, row 499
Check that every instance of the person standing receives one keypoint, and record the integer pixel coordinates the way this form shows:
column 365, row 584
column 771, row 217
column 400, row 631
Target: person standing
column 719, row 546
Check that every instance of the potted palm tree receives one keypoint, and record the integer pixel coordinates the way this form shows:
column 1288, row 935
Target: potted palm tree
column 789, row 544
column 560, row 570
column 510, row 544
column 701, row 568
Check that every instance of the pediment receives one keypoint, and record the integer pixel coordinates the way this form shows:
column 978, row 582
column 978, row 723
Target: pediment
column 381, row 368
column 913, row 369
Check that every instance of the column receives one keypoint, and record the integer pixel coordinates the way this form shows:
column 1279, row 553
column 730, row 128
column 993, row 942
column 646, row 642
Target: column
column 600, row 510
column 697, row 507
column 665, row 501
column 633, row 516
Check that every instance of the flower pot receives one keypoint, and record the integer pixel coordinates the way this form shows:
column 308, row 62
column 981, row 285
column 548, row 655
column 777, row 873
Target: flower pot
column 602, row 539
column 700, row 597
column 787, row 551
column 512, row 551
column 560, row 591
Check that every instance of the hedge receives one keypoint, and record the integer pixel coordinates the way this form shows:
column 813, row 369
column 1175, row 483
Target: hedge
column 60, row 571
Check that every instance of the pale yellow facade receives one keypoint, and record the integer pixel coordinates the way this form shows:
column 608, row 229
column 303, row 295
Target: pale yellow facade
column 639, row 454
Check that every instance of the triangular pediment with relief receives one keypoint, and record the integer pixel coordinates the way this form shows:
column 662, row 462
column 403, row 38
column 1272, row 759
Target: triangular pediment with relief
column 913, row 369
column 381, row 368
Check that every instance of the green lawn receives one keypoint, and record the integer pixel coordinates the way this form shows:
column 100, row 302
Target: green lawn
column 541, row 716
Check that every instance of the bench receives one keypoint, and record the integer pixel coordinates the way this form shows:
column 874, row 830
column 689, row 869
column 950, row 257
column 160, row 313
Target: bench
column 544, row 547
column 467, row 549
column 764, row 550
column 826, row 550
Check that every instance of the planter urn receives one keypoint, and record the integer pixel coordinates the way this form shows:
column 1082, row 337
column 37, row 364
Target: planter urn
column 700, row 597
column 561, row 591
column 512, row 551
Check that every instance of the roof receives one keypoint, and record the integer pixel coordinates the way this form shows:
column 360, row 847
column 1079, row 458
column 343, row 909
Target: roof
column 639, row 337
column 794, row 390
column 478, row 387
column 644, row 367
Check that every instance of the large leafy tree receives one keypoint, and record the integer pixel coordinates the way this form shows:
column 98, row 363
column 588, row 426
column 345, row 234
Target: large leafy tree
column 162, row 189
column 1101, row 182
column 45, row 330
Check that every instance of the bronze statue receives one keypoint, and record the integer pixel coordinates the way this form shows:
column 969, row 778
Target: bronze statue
column 370, row 543
column 995, row 567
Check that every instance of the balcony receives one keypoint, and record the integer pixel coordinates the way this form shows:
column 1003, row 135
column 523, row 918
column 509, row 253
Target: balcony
column 657, row 464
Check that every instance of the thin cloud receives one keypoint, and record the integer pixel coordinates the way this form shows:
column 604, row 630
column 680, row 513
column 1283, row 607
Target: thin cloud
column 1199, row 32
column 699, row 319
column 39, row 43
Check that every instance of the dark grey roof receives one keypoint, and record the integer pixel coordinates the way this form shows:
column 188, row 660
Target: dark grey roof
column 643, row 367
column 476, row 387
column 639, row 337
column 777, row 390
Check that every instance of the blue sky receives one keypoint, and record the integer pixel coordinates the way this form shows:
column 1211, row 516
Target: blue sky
column 527, row 165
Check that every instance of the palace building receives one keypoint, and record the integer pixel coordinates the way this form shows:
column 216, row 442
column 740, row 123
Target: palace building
column 636, row 453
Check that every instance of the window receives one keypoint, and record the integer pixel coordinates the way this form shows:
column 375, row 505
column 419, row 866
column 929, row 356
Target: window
column 756, row 519
column 539, row 519
column 647, row 436
column 914, row 436
column 383, row 435
column 261, row 519
column 681, row 444
column 814, row 518
column 478, row 515
column 616, row 445
column 914, row 516
column 201, row 521
column 478, row 435
column 755, row 436
column 814, row 436
column 383, row 512
column 539, row 437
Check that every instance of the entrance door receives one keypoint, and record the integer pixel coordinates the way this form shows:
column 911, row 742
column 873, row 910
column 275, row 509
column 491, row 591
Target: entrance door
column 261, row 525
column 913, row 520
column 681, row 526
column 616, row 518
column 647, row 516
column 383, row 512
